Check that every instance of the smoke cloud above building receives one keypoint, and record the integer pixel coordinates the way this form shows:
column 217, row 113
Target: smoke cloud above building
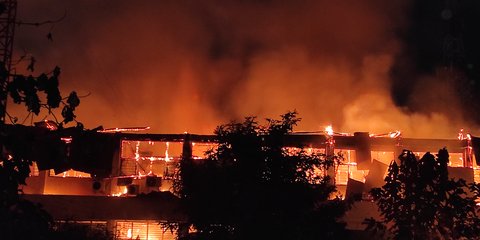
column 191, row 65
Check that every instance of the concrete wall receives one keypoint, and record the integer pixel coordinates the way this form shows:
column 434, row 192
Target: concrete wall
column 69, row 186
column 45, row 184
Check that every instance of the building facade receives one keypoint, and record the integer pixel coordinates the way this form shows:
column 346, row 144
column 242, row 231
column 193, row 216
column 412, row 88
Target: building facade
column 123, row 182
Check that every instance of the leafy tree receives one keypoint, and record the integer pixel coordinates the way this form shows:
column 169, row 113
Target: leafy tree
column 251, row 187
column 28, row 90
column 420, row 201
column 20, row 219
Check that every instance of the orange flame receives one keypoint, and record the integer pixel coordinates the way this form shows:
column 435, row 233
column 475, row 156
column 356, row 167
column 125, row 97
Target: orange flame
column 329, row 130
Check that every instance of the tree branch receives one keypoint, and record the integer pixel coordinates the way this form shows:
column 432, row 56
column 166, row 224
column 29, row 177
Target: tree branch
column 36, row 24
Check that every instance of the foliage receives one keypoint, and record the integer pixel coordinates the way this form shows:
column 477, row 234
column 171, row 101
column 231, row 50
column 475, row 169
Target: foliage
column 420, row 201
column 20, row 219
column 24, row 220
column 251, row 187
column 27, row 89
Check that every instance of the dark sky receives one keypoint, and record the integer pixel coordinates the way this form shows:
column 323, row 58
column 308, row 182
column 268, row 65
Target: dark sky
column 178, row 66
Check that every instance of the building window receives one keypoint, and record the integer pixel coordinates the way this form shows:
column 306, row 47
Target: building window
column 159, row 158
column 149, row 157
column 383, row 157
column 476, row 170
column 199, row 149
column 455, row 160
column 96, row 228
column 149, row 230
column 348, row 168
column 309, row 150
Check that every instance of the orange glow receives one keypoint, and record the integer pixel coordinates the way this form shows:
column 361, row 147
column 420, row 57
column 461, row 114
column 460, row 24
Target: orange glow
column 352, row 72
column 166, row 152
column 123, row 191
column 329, row 130
column 130, row 129
column 70, row 173
column 137, row 154
column 395, row 134
column 129, row 233
column 48, row 124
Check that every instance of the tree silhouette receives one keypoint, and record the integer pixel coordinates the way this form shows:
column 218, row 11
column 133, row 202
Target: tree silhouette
column 28, row 89
column 19, row 218
column 420, row 201
column 251, row 187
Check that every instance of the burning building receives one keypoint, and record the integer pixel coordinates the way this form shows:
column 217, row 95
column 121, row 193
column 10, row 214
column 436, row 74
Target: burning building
column 122, row 181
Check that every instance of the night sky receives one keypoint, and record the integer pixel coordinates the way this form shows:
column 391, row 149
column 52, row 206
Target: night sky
column 180, row 66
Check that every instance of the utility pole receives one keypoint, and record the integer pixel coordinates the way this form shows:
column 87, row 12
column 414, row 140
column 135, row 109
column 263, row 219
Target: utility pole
column 8, row 12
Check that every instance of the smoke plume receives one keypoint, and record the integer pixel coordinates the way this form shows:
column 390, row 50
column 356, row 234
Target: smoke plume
column 191, row 65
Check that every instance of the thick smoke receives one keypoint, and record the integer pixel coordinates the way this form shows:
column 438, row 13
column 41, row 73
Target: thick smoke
column 191, row 65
